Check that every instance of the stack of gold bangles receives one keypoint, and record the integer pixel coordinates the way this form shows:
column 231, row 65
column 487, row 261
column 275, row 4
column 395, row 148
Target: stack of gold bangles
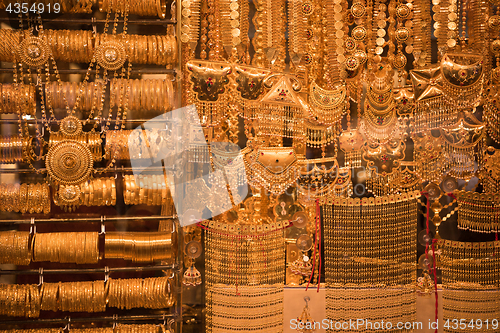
column 90, row 139
column 138, row 246
column 19, row 300
column 117, row 144
column 80, row 46
column 14, row 149
column 85, row 296
column 150, row 293
column 146, row 49
column 99, row 192
column 66, row 247
column 25, row 198
column 14, row 247
column 147, row 95
column 14, row 98
column 144, row 189
column 10, row 41
column 71, row 45
column 58, row 94
column 136, row 7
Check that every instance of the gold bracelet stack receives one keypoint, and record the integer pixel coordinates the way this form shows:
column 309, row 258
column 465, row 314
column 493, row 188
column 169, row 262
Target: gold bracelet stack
column 19, row 300
column 25, row 198
column 478, row 212
column 10, row 40
column 87, row 296
column 98, row 192
column 146, row 49
column 15, row 149
column 139, row 246
column 144, row 189
column 144, row 328
column 137, row 7
column 146, row 144
column 66, row 247
column 149, row 293
column 14, row 246
column 143, row 95
column 116, row 146
column 58, row 94
column 14, row 97
column 71, row 45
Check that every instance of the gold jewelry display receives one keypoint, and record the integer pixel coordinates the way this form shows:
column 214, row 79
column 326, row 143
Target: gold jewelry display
column 460, row 140
column 275, row 169
column 139, row 247
column 14, row 246
column 317, row 177
column 282, row 111
column 66, row 247
column 210, row 90
column 244, row 281
column 370, row 269
column 478, row 212
column 470, row 279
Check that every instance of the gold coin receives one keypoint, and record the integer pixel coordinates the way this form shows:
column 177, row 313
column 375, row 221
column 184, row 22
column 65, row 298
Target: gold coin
column 337, row 8
column 452, row 34
column 381, row 24
column 186, row 20
column 339, row 25
column 184, row 38
column 340, row 50
column 435, row 2
column 379, row 50
column 377, row 58
column 234, row 5
column 358, row 10
column 338, row 16
column 380, row 41
column 409, row 49
column 235, row 23
column 341, row 58
column 186, row 12
column 234, row 15
column 381, row 32
column 436, row 8
column 236, row 40
column 185, row 29
column 452, row 8
column 235, row 32
column 339, row 41
column 409, row 24
column 382, row 7
column 436, row 26
column 186, row 3
column 451, row 43
column 339, row 34
column 452, row 16
column 452, row 25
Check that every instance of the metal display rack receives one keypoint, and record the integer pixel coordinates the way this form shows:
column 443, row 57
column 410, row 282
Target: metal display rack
column 171, row 317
